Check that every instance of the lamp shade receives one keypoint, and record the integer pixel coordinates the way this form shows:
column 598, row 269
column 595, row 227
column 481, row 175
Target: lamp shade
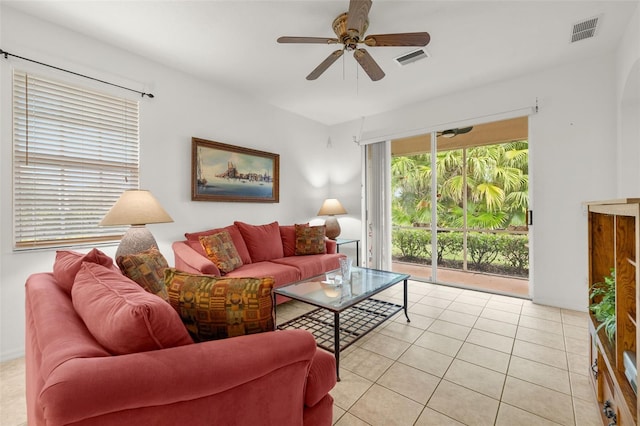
column 135, row 207
column 331, row 207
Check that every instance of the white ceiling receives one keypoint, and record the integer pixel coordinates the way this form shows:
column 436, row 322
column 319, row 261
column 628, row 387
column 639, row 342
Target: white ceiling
column 233, row 43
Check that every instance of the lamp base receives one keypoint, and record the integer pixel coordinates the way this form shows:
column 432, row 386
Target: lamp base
column 332, row 228
column 137, row 239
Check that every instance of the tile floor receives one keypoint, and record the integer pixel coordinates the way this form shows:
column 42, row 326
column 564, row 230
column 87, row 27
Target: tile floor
column 466, row 358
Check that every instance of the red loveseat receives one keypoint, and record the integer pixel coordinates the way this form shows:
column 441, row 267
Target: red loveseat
column 265, row 250
column 272, row 378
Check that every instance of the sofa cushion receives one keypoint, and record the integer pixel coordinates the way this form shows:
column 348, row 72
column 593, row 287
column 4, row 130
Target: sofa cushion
column 121, row 315
column 67, row 265
column 146, row 269
column 281, row 273
column 310, row 240
column 220, row 307
column 221, row 251
column 311, row 265
column 235, row 234
column 263, row 241
column 288, row 237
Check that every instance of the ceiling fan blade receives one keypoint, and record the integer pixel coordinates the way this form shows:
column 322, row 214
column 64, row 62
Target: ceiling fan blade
column 368, row 64
column 325, row 64
column 358, row 15
column 400, row 39
column 317, row 40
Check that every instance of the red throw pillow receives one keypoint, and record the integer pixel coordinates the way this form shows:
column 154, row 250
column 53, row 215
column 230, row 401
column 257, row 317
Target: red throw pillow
column 67, row 265
column 234, row 232
column 263, row 241
column 122, row 316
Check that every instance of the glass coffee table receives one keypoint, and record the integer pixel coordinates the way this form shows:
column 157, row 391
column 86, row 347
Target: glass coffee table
column 345, row 312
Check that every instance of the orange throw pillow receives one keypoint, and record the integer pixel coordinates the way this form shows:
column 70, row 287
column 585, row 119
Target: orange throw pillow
column 310, row 240
column 221, row 251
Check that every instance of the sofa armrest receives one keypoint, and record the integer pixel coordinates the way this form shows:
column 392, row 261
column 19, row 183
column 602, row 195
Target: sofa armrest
column 321, row 379
column 82, row 388
column 188, row 260
column 331, row 246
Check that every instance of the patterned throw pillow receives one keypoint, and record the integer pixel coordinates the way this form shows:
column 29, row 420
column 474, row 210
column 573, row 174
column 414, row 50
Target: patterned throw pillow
column 147, row 269
column 221, row 251
column 310, row 240
column 236, row 236
column 218, row 307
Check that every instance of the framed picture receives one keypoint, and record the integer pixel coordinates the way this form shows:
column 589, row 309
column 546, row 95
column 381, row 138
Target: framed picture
column 221, row 172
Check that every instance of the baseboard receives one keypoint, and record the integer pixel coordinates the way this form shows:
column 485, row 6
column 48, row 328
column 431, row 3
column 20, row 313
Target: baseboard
column 9, row 355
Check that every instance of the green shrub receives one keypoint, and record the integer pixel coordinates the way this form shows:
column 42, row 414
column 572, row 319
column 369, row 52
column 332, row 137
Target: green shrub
column 516, row 251
column 483, row 249
column 412, row 243
column 449, row 243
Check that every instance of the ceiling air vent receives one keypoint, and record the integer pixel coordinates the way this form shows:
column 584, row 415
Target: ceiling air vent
column 584, row 29
column 412, row 56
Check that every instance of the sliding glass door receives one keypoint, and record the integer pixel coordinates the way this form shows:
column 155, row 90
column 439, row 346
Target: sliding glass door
column 459, row 209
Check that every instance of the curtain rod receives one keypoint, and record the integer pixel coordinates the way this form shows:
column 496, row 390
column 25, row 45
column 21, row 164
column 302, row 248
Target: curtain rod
column 7, row 54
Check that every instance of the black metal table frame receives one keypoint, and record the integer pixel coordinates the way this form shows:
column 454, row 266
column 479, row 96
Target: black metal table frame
column 343, row 241
column 303, row 321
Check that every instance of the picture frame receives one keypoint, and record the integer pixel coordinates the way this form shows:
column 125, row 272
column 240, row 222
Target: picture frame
column 221, row 172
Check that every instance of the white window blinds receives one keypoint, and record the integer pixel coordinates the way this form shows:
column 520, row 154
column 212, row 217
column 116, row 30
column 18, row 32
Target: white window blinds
column 75, row 152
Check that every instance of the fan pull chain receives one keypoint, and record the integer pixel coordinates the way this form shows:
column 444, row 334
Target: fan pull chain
column 357, row 80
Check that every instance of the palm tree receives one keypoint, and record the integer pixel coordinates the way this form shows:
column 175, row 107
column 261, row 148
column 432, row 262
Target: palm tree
column 496, row 179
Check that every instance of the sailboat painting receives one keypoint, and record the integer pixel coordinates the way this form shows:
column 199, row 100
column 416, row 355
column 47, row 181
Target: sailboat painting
column 221, row 172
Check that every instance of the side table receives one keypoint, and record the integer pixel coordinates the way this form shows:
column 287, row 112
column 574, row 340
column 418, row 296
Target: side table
column 341, row 241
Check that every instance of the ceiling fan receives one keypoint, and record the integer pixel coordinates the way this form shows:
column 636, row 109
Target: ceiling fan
column 350, row 28
column 450, row 133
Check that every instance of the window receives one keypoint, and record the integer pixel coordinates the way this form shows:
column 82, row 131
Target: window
column 74, row 152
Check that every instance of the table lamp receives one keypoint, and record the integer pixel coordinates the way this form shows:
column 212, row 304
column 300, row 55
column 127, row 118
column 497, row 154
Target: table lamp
column 137, row 208
column 331, row 207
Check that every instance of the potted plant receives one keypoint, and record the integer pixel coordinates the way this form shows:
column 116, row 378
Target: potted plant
column 605, row 310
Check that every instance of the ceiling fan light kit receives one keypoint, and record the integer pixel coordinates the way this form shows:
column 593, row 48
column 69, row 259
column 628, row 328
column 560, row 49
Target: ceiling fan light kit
column 350, row 28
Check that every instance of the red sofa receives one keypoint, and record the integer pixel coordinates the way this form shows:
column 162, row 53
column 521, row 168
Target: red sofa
column 265, row 250
column 272, row 378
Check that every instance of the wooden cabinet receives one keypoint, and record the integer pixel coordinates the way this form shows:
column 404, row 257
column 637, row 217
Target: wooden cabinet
column 614, row 243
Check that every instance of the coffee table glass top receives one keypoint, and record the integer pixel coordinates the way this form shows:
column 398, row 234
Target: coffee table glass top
column 319, row 292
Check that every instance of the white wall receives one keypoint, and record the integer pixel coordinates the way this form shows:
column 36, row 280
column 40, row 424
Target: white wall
column 183, row 107
column 572, row 158
column 628, row 102
column 345, row 184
